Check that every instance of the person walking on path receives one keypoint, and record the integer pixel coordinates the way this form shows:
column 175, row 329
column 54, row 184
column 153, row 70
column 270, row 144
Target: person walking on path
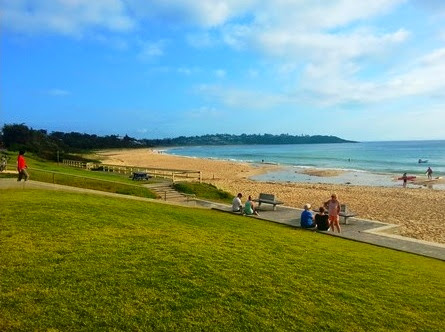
column 333, row 207
column 429, row 172
column 21, row 166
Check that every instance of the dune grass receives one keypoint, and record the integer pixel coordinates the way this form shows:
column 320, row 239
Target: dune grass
column 82, row 262
column 204, row 191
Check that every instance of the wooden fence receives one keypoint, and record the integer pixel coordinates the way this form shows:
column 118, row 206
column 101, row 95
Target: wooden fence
column 173, row 174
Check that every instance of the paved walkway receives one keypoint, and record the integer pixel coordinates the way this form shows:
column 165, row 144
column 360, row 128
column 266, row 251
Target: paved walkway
column 367, row 231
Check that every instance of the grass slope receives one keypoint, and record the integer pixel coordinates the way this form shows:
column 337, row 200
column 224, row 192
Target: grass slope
column 51, row 172
column 81, row 262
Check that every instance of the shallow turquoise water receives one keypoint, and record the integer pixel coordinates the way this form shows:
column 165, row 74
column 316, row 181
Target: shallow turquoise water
column 375, row 157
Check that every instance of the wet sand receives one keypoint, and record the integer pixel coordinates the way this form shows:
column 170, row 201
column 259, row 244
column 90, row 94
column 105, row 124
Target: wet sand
column 419, row 211
column 322, row 172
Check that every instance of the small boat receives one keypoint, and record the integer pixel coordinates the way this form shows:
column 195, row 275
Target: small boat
column 423, row 161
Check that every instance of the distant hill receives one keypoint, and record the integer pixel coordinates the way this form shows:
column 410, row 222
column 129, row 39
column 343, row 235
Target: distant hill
column 58, row 144
column 226, row 139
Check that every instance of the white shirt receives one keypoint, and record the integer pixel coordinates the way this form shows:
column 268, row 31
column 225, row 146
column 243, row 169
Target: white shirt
column 236, row 204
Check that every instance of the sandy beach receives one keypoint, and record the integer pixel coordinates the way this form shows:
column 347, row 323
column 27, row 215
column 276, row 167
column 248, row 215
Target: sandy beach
column 419, row 211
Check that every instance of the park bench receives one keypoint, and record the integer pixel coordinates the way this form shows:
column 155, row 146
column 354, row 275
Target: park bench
column 140, row 176
column 268, row 199
column 344, row 213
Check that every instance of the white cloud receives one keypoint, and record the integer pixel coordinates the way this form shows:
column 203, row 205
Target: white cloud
column 310, row 15
column 66, row 17
column 205, row 13
column 204, row 112
column 242, row 98
column 201, row 40
column 335, row 83
column 185, row 71
column 423, row 78
column 319, row 46
column 57, row 92
column 150, row 49
column 220, row 73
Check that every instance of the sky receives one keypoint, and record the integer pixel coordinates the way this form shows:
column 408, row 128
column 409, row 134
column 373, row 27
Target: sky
column 360, row 70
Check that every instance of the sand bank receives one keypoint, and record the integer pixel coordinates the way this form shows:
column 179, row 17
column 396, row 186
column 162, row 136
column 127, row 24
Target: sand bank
column 419, row 211
column 322, row 172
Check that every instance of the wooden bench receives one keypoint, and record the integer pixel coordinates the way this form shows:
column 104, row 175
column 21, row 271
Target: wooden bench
column 267, row 199
column 140, row 176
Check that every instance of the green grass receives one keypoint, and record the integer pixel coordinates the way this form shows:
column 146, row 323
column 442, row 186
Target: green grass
column 93, row 183
column 84, row 262
column 204, row 191
column 47, row 171
column 36, row 164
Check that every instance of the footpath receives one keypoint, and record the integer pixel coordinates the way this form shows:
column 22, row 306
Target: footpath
column 361, row 230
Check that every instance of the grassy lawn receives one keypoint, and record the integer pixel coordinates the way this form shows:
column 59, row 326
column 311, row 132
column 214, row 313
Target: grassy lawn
column 84, row 262
column 47, row 171
column 36, row 164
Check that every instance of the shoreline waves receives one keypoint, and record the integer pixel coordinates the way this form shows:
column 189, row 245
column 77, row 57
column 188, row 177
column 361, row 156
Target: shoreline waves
column 418, row 210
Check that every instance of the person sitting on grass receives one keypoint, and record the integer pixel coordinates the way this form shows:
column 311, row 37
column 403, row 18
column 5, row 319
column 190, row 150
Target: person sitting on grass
column 307, row 219
column 237, row 206
column 249, row 207
column 322, row 220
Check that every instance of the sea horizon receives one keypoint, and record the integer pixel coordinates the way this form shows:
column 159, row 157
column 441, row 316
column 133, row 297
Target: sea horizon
column 373, row 163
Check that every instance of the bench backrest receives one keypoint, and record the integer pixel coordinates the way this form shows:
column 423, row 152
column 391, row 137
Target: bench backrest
column 267, row 197
column 343, row 208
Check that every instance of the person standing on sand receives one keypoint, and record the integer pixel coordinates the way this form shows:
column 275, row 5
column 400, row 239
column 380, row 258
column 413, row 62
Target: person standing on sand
column 237, row 206
column 429, row 172
column 21, row 166
column 404, row 178
column 333, row 206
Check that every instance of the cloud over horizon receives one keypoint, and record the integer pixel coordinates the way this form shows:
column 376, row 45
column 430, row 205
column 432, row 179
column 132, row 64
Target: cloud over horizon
column 295, row 57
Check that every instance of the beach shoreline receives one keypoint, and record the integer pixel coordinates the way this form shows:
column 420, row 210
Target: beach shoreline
column 418, row 210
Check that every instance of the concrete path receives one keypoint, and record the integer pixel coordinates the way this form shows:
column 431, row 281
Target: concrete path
column 367, row 231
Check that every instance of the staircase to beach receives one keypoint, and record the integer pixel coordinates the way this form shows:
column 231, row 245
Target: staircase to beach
column 166, row 192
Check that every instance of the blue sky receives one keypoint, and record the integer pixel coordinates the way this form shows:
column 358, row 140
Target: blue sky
column 362, row 70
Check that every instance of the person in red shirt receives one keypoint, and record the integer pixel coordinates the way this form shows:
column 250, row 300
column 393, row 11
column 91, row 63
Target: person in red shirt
column 21, row 166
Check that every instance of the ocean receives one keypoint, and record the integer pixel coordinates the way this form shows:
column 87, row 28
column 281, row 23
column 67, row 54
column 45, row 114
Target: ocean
column 364, row 163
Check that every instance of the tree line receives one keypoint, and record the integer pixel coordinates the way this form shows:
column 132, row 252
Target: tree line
column 58, row 144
